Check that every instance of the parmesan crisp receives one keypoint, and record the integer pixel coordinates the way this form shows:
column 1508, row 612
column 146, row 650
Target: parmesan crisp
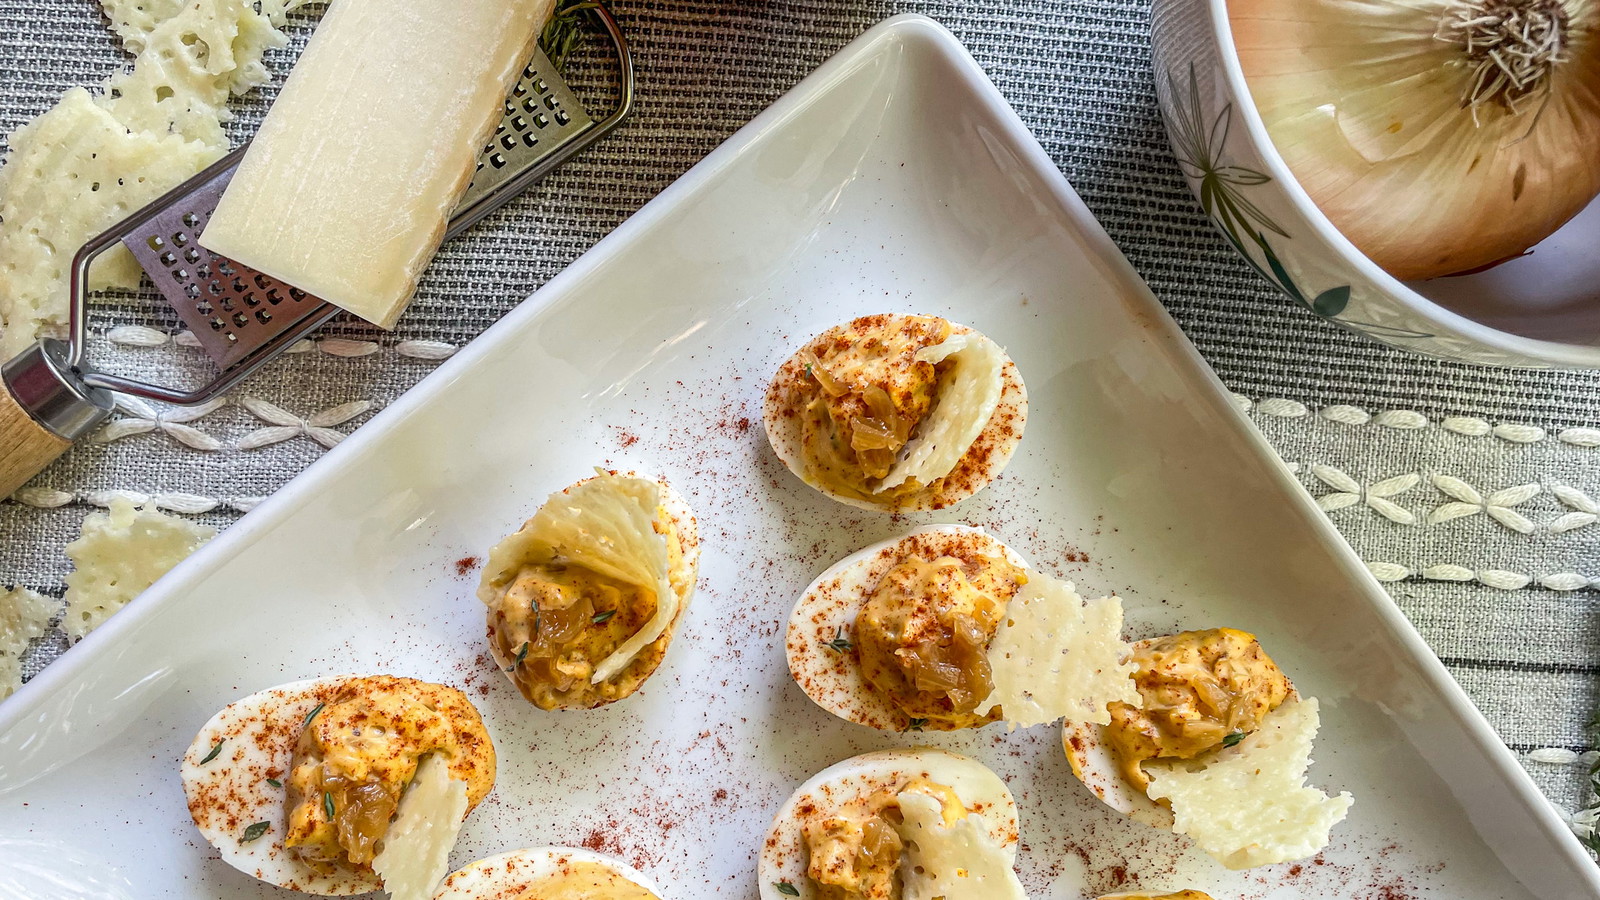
column 416, row 850
column 24, row 615
column 1057, row 655
column 1249, row 805
column 120, row 553
column 958, row 861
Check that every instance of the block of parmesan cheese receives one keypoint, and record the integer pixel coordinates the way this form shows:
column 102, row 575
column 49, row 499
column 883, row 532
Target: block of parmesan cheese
column 348, row 187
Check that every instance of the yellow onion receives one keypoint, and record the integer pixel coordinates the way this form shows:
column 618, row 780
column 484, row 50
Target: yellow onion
column 1439, row 136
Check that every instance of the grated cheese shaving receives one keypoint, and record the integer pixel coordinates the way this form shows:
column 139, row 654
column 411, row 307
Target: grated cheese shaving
column 963, row 407
column 1057, row 655
column 24, row 615
column 118, row 555
column 416, row 851
column 607, row 524
column 1249, row 804
column 956, row 861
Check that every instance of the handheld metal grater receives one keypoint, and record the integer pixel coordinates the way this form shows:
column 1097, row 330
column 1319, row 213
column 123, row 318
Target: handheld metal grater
column 242, row 318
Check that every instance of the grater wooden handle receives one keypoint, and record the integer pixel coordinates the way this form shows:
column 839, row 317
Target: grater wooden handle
column 26, row 446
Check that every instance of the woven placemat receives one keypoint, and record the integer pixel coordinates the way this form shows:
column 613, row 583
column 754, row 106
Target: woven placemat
column 1470, row 491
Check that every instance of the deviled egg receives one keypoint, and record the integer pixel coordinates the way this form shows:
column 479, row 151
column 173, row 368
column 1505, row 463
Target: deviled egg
column 897, row 412
column 1215, row 746
column 946, row 627
column 584, row 598
column 548, row 873
column 912, row 824
column 340, row 785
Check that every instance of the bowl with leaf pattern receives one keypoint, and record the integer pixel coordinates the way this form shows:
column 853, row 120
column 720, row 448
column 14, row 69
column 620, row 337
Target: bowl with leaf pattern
column 1541, row 309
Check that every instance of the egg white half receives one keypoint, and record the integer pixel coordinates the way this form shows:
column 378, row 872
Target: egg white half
column 508, row 876
column 998, row 441
column 1094, row 762
column 784, row 856
column 827, row 610
column 231, row 792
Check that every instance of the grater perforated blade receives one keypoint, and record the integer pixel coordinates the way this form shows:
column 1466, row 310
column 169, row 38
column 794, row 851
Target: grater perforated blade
column 236, row 312
column 242, row 318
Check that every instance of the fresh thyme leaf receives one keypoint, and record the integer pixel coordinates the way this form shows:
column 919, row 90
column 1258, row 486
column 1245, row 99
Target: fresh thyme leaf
column 521, row 655
column 916, row 724
column 602, row 617
column 215, row 749
column 565, row 31
column 808, row 370
column 254, row 831
column 327, row 804
column 538, row 621
column 1233, row 739
column 840, row 643
column 786, row 889
column 312, row 715
column 275, row 782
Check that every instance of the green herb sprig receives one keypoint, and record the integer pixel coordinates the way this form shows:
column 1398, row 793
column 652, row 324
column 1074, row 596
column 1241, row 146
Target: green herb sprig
column 215, row 749
column 566, row 29
column 786, row 889
column 840, row 643
column 254, row 831
column 327, row 804
column 1233, row 739
column 312, row 715
column 603, row 617
column 521, row 655
column 916, row 724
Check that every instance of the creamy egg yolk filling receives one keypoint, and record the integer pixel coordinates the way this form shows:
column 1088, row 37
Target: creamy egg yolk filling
column 1200, row 690
column 867, row 396
column 584, row 881
column 923, row 635
column 556, row 622
column 353, row 759
column 856, row 854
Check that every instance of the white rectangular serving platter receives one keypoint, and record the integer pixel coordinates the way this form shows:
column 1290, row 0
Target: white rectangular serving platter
column 896, row 178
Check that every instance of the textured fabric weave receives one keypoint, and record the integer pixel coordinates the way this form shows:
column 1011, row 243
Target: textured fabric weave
column 1340, row 409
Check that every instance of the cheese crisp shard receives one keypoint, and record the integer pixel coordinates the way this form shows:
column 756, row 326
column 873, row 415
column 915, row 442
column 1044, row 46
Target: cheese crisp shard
column 966, row 401
column 608, row 524
column 957, row 861
column 190, row 59
column 24, row 615
column 416, row 851
column 1057, row 655
column 118, row 555
column 1249, row 804
column 73, row 172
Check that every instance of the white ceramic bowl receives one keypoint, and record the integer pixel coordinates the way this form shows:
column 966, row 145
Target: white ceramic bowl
column 1540, row 310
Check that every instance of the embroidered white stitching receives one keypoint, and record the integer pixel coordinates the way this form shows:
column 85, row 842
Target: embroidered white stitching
column 145, row 337
column 283, row 425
